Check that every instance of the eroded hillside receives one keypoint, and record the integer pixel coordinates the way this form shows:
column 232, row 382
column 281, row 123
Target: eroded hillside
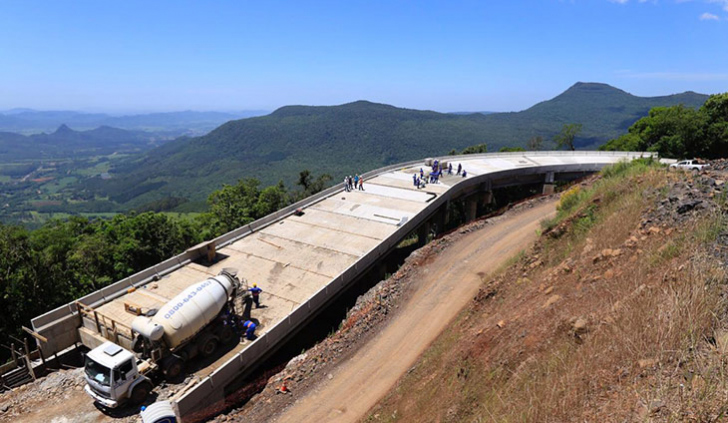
column 617, row 314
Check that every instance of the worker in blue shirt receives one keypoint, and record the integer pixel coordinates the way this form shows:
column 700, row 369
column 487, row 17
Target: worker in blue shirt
column 256, row 294
column 249, row 327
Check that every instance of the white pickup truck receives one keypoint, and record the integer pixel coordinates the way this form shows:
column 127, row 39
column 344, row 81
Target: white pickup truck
column 688, row 165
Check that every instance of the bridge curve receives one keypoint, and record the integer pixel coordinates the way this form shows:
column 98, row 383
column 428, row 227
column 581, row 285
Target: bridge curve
column 304, row 260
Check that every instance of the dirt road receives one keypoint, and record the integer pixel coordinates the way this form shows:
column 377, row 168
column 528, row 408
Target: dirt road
column 448, row 283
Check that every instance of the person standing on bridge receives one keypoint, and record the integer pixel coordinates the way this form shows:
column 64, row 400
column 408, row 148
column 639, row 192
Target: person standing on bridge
column 255, row 291
column 346, row 184
column 460, row 168
column 414, row 180
column 356, row 180
column 449, row 168
column 249, row 327
column 361, row 184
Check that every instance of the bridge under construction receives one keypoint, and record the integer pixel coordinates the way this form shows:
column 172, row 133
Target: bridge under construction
column 305, row 255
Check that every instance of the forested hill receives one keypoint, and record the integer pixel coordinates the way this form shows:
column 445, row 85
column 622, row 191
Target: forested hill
column 64, row 142
column 360, row 136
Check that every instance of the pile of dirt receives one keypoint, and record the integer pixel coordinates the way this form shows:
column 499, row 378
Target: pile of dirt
column 52, row 389
column 685, row 196
column 60, row 396
column 720, row 165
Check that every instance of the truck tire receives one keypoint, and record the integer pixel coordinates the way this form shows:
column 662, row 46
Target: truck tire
column 226, row 335
column 140, row 392
column 207, row 345
column 172, row 367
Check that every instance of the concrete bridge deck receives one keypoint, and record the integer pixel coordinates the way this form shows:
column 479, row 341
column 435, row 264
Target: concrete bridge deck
column 303, row 261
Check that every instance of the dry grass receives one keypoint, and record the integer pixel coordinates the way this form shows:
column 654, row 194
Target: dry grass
column 654, row 344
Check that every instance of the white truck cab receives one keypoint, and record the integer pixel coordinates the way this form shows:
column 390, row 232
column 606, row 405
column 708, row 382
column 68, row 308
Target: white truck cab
column 112, row 376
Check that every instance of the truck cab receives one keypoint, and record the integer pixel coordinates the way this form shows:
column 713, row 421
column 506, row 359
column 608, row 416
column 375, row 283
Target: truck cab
column 112, row 376
column 688, row 165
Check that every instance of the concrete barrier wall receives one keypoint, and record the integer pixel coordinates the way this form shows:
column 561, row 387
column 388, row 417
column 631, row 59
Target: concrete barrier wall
column 58, row 324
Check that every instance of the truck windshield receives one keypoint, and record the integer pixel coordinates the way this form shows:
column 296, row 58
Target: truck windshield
column 98, row 372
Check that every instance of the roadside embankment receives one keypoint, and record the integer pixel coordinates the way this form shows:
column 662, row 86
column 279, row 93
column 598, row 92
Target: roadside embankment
column 618, row 313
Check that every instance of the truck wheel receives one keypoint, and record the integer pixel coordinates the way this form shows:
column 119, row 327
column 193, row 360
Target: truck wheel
column 226, row 335
column 208, row 345
column 140, row 392
column 172, row 368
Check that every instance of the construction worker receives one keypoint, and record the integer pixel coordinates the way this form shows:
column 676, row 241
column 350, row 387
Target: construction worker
column 256, row 294
column 249, row 327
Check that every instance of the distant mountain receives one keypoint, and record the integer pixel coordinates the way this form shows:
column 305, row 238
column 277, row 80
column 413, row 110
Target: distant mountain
column 360, row 136
column 64, row 142
column 172, row 124
column 471, row 113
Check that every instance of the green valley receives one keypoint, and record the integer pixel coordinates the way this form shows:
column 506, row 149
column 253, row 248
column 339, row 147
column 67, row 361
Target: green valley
column 107, row 170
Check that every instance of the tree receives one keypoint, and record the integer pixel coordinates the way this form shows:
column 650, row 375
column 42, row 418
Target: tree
column 626, row 142
column 476, row 149
column 535, row 143
column 567, row 136
column 715, row 110
column 235, row 205
column 511, row 149
column 319, row 184
column 676, row 131
column 304, row 179
column 310, row 186
column 271, row 199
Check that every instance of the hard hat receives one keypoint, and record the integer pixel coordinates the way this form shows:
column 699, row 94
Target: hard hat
column 255, row 285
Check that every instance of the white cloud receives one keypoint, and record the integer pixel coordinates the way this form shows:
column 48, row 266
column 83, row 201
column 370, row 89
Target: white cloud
column 721, row 3
column 709, row 17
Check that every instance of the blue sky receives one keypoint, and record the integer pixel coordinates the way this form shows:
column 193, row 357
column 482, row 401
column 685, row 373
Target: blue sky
column 500, row 55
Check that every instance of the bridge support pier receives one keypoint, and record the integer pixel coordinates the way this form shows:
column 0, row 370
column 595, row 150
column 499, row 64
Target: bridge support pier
column 471, row 208
column 382, row 269
column 422, row 233
column 548, row 184
column 442, row 217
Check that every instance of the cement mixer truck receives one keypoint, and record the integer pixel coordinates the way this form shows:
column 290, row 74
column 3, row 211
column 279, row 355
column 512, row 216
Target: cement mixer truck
column 192, row 323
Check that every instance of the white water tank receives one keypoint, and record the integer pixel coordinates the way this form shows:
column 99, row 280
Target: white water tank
column 147, row 328
column 195, row 307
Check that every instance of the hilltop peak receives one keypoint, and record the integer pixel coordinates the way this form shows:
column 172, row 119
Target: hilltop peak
column 359, row 105
column 592, row 87
column 63, row 129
